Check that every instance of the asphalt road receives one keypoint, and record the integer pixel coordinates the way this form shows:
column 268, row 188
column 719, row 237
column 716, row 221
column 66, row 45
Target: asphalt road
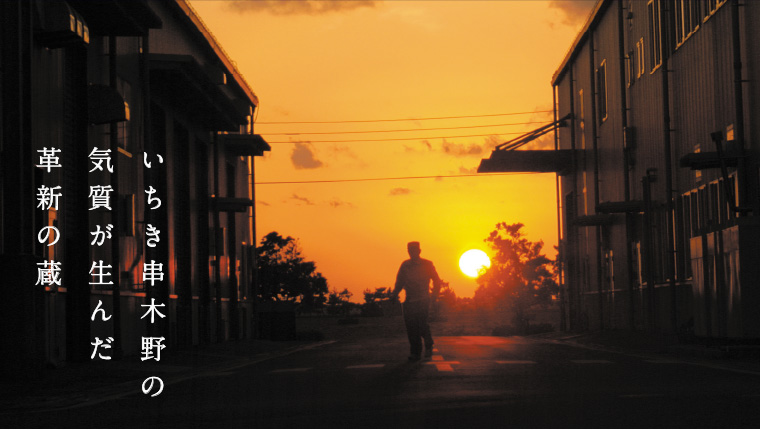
column 472, row 381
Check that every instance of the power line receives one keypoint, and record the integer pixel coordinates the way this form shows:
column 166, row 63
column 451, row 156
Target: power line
column 407, row 129
column 330, row 181
column 404, row 119
column 404, row 138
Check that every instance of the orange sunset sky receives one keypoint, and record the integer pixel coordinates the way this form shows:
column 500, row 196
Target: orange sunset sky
column 378, row 60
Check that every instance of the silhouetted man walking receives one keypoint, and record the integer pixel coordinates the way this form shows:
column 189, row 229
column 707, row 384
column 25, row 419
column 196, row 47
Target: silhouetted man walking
column 414, row 276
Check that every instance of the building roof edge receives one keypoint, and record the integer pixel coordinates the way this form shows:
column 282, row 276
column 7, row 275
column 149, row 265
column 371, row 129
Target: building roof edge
column 188, row 10
column 580, row 38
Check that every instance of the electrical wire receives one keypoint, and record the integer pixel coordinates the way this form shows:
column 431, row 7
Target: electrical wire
column 405, row 119
column 331, row 181
column 407, row 129
column 398, row 139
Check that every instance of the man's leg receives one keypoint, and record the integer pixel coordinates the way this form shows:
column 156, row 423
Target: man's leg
column 413, row 329
column 425, row 330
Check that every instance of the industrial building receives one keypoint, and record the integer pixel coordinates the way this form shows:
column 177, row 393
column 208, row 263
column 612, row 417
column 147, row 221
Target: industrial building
column 656, row 156
column 133, row 114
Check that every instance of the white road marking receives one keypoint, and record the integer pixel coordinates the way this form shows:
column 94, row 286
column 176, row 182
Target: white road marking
column 443, row 366
column 366, row 366
column 591, row 361
column 515, row 362
column 296, row 369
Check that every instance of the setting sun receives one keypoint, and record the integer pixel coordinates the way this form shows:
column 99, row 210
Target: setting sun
column 335, row 185
column 474, row 262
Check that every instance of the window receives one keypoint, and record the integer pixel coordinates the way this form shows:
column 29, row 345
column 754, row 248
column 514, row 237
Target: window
column 700, row 11
column 601, row 85
column 695, row 227
column 711, row 6
column 123, row 127
column 655, row 32
column 688, row 17
column 688, row 22
column 678, row 26
column 630, row 69
column 639, row 61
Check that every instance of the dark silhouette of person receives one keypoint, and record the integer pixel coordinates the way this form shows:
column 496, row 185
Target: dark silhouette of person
column 414, row 276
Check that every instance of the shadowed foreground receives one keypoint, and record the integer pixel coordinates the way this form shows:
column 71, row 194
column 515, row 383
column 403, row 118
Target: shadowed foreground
column 362, row 379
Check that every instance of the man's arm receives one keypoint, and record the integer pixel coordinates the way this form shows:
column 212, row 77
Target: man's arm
column 436, row 282
column 399, row 283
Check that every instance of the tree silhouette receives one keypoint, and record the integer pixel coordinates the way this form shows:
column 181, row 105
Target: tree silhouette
column 520, row 276
column 374, row 301
column 338, row 303
column 285, row 276
column 447, row 299
column 379, row 294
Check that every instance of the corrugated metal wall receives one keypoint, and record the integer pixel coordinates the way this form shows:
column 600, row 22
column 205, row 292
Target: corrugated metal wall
column 678, row 102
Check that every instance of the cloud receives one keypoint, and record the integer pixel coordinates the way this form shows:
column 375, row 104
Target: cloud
column 468, row 171
column 299, row 7
column 415, row 147
column 303, row 157
column 460, row 149
column 342, row 150
column 491, row 142
column 575, row 11
column 544, row 142
column 400, row 191
column 337, row 203
column 303, row 200
column 341, row 153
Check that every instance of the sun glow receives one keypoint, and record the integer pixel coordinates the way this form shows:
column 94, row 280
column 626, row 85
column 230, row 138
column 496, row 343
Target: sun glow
column 474, row 262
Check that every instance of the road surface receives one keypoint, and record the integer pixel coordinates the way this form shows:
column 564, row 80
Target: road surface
column 472, row 381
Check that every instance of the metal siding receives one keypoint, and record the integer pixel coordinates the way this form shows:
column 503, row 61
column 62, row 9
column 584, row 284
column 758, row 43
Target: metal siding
column 702, row 97
column 584, row 138
column 645, row 101
column 751, row 59
column 701, row 101
column 610, row 131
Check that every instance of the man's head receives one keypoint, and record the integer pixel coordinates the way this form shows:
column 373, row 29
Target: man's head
column 414, row 250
